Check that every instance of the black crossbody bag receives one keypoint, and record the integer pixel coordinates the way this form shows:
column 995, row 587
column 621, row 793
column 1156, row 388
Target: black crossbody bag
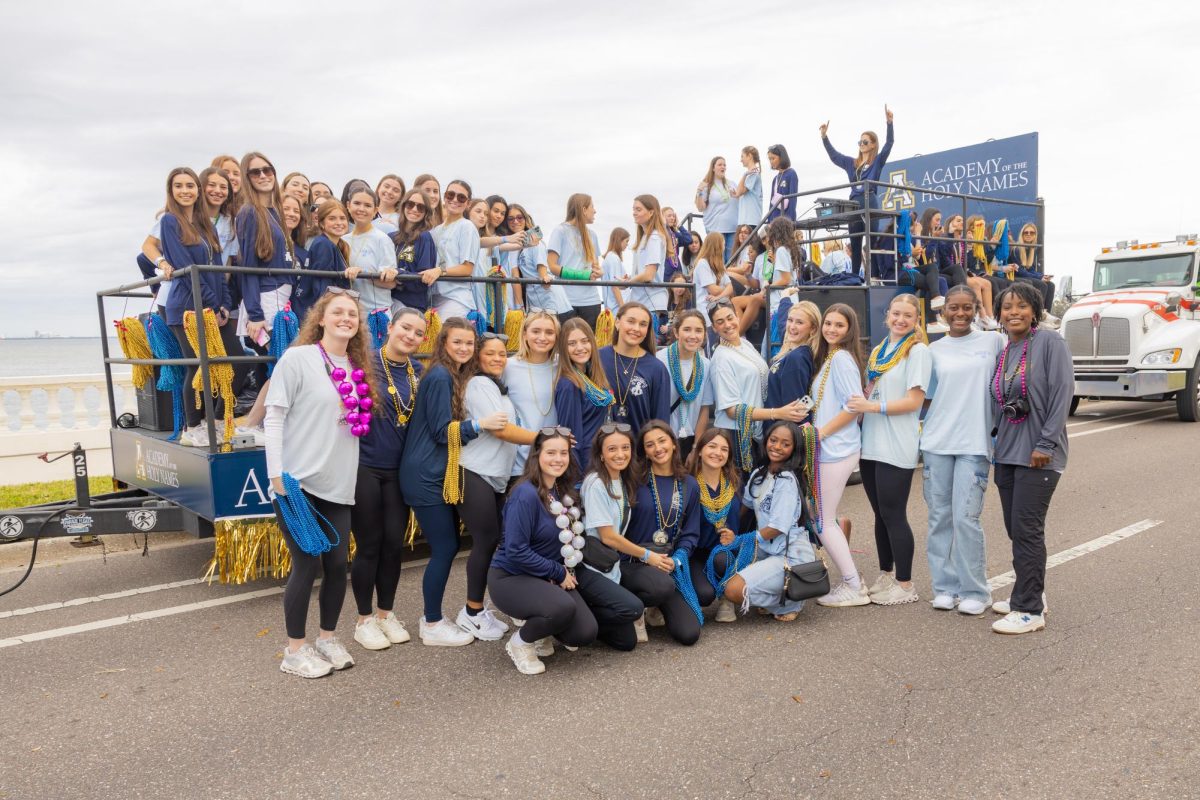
column 804, row 581
column 598, row 555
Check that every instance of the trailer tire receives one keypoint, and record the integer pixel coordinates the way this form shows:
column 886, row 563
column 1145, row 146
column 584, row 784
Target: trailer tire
column 1187, row 401
column 1074, row 405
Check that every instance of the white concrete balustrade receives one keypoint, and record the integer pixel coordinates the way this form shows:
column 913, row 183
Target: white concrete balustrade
column 49, row 413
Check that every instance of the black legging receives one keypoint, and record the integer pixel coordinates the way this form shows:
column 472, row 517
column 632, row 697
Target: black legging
column 857, row 228
column 589, row 314
column 656, row 589
column 379, row 519
column 614, row 607
column 305, row 568
column 233, row 347
column 954, row 273
column 928, row 282
column 706, row 593
column 547, row 608
column 1045, row 287
column 439, row 526
column 480, row 512
column 887, row 488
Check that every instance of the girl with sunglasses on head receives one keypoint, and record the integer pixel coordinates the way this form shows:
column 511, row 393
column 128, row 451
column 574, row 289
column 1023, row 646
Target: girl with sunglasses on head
column 838, row 379
column 613, row 268
column 719, row 481
column 379, row 516
column 372, row 252
column 261, row 243
column 327, row 252
column 312, row 453
column 716, row 198
column 429, row 186
column 690, row 376
column 457, row 242
column 531, row 377
column 583, row 399
column 1030, row 393
column 866, row 166
column 1026, row 260
column 956, row 452
column 711, row 281
column 416, row 253
column 534, row 573
column 784, row 183
column 487, row 463
column 433, row 481
column 609, row 491
column 898, row 373
column 665, row 521
column 739, row 377
column 390, row 190
column 639, row 381
column 573, row 254
column 792, row 367
column 651, row 249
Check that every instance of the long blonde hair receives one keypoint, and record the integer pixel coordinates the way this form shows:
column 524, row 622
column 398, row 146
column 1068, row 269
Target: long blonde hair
column 576, row 203
column 713, row 251
column 530, row 318
column 915, row 302
column 566, row 367
column 809, row 309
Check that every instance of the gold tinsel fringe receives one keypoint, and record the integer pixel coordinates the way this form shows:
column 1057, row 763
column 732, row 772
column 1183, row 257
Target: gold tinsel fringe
column 513, row 321
column 245, row 550
column 131, row 335
column 604, row 328
column 433, row 326
column 220, row 376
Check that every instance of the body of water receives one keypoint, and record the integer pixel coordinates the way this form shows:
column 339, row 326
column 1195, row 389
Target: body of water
column 22, row 357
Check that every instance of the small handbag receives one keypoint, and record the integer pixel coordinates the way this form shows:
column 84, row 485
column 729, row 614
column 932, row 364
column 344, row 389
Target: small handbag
column 598, row 555
column 806, row 581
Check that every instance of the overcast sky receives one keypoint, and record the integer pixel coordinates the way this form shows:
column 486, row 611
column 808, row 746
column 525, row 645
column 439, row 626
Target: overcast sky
column 537, row 100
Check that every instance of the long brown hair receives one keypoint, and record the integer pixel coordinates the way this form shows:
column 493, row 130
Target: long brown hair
column 207, row 173
column 614, row 241
column 710, row 177
column 437, row 214
column 713, row 251
column 629, row 482
column 730, row 470
column 851, row 343
column 648, row 344
column 323, row 212
column 859, row 160
column 576, row 203
column 264, row 245
column 564, row 485
column 782, row 233
column 397, row 179
column 195, row 226
column 566, row 367
column 358, row 348
column 459, row 373
column 644, row 470
column 407, row 232
column 657, row 225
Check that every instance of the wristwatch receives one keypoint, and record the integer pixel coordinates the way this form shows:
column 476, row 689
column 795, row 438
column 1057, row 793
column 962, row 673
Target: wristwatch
column 159, row 260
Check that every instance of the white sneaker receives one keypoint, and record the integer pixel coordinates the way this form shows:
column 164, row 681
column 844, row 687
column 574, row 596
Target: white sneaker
column 943, row 602
column 972, row 607
column 524, row 656
column 725, row 611
column 544, row 647
column 195, row 437
column 370, row 635
column 937, row 327
column 1003, row 607
column 654, row 618
column 885, row 581
column 937, row 302
column 1019, row 622
column 393, row 629
column 895, row 595
column 639, row 629
column 304, row 662
column 517, row 623
column 843, row 596
column 443, row 633
column 334, row 652
column 483, row 626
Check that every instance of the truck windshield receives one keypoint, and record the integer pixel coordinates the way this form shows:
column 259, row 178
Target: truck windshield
column 1173, row 270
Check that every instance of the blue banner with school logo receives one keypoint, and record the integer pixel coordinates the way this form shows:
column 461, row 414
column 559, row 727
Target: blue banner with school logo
column 1004, row 169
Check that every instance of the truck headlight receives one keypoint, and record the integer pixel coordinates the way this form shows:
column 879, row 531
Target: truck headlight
column 1162, row 357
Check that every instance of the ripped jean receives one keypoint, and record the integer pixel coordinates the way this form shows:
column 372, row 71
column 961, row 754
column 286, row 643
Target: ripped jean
column 954, row 488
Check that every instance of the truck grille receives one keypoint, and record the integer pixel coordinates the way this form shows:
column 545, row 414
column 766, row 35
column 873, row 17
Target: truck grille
column 1114, row 337
column 1079, row 338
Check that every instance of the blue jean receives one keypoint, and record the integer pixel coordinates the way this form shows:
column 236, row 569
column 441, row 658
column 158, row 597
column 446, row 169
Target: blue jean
column 954, row 489
column 730, row 243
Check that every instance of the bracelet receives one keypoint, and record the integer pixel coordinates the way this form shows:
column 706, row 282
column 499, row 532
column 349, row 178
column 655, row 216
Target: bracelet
column 645, row 555
column 883, row 406
column 159, row 260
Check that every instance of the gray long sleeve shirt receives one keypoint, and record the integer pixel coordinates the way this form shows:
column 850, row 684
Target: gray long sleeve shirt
column 1050, row 382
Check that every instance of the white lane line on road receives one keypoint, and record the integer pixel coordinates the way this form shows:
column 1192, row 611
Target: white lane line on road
column 83, row 601
column 1122, row 425
column 1008, row 578
column 1098, row 418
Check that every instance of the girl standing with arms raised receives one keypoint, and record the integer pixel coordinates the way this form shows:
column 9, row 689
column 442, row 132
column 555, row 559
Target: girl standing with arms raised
column 898, row 372
column 639, row 381
column 691, row 381
column 838, row 379
column 583, row 399
column 531, row 377
column 379, row 517
column 717, row 198
column 573, row 254
column 651, row 249
column 433, row 481
column 312, row 461
column 866, row 166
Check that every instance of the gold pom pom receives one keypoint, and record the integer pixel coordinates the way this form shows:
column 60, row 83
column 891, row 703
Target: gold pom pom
column 433, row 326
column 513, row 321
column 604, row 328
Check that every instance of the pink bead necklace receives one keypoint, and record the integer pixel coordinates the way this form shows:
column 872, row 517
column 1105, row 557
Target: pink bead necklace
column 999, row 390
column 355, row 394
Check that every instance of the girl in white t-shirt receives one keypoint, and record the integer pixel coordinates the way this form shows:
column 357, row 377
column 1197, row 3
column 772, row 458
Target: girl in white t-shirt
column 652, row 248
column 898, row 372
column 614, row 268
column 709, row 277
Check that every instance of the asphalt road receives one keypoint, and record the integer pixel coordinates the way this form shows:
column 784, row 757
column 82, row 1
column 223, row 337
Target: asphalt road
column 873, row 702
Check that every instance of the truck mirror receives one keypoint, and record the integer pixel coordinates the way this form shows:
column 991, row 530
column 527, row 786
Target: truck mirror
column 1173, row 301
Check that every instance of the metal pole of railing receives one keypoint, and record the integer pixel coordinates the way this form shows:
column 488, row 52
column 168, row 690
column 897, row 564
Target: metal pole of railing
column 108, row 381
column 866, row 248
column 202, row 343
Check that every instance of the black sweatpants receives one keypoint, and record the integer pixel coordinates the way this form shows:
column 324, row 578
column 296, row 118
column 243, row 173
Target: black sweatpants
column 589, row 314
column 379, row 520
column 547, row 608
column 1024, row 499
column 233, row 347
column 614, row 607
column 887, row 488
column 305, row 568
column 656, row 589
column 480, row 512
column 954, row 274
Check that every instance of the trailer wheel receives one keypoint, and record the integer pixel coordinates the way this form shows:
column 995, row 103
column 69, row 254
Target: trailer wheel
column 1074, row 405
column 1187, row 401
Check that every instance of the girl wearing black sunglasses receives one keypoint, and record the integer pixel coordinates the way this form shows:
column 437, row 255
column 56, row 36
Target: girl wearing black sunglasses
column 866, row 166
column 458, row 249
column 416, row 253
column 262, row 243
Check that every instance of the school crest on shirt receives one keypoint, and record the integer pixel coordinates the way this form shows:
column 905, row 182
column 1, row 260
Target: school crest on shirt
column 775, row 367
column 637, row 386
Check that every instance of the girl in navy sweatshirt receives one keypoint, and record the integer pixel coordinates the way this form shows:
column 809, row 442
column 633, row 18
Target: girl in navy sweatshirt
column 533, row 572
column 415, row 250
column 866, row 166
column 262, row 243
column 640, row 382
column 327, row 252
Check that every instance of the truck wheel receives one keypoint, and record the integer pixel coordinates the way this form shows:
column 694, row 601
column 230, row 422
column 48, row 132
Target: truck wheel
column 1074, row 404
column 1187, row 401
